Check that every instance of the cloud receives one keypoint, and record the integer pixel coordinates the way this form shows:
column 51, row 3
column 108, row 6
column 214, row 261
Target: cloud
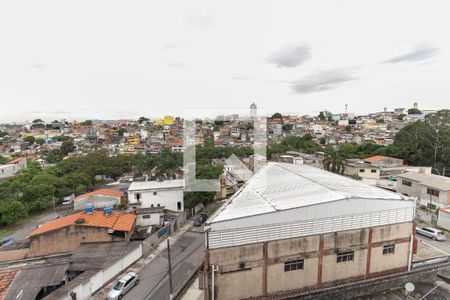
column 200, row 20
column 176, row 64
column 174, row 45
column 322, row 81
column 38, row 66
column 418, row 53
column 291, row 56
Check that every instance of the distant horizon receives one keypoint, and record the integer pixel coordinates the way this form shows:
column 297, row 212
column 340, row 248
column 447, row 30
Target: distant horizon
column 137, row 116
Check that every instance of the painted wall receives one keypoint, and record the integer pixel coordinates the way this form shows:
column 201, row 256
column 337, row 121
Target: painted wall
column 247, row 263
column 68, row 239
column 167, row 198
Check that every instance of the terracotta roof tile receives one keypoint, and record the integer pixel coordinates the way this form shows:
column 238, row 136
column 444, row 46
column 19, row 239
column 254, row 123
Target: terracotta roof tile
column 106, row 192
column 374, row 158
column 115, row 221
column 5, row 282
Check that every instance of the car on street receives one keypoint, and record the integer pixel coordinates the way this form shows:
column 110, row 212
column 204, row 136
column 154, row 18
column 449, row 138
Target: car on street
column 123, row 286
column 432, row 233
column 68, row 200
column 200, row 220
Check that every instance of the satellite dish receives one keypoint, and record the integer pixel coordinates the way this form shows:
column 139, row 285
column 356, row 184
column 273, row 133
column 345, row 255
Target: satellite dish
column 409, row 287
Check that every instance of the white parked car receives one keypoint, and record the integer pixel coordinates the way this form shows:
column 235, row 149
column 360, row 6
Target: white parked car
column 68, row 200
column 433, row 233
column 123, row 286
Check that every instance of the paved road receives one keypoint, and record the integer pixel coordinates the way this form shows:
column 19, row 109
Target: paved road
column 187, row 255
column 444, row 246
column 22, row 232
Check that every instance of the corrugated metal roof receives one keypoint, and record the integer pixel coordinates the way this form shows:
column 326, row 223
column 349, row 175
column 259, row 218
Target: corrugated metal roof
column 282, row 186
column 431, row 180
column 96, row 256
column 29, row 282
column 156, row 185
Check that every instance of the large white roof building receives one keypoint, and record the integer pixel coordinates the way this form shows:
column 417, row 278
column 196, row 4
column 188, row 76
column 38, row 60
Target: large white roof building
column 285, row 200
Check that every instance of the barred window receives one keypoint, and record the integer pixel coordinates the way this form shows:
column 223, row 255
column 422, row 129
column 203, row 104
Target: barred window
column 406, row 182
column 388, row 249
column 433, row 192
column 293, row 265
column 345, row 256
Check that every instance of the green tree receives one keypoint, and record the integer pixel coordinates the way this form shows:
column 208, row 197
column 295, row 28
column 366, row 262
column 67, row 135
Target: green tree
column 414, row 111
column 54, row 156
column 40, row 142
column 287, row 127
column 11, row 212
column 29, row 139
column 67, row 147
column 277, row 116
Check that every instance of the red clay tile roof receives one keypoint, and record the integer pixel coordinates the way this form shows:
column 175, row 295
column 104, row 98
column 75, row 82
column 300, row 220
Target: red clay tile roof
column 106, row 192
column 5, row 282
column 115, row 221
column 17, row 160
column 374, row 158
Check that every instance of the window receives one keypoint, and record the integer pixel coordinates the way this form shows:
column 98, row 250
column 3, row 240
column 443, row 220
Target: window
column 388, row 249
column 345, row 256
column 361, row 170
column 155, row 193
column 138, row 196
column 406, row 182
column 373, row 170
column 179, row 205
column 145, row 216
column 433, row 192
column 293, row 265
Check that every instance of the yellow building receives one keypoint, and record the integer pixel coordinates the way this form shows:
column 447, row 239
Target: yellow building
column 167, row 120
column 133, row 140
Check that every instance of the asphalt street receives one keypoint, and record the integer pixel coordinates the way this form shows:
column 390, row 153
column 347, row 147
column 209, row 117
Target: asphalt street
column 187, row 255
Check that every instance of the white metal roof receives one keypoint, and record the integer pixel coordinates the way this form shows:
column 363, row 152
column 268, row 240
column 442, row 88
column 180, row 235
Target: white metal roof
column 156, row 185
column 282, row 186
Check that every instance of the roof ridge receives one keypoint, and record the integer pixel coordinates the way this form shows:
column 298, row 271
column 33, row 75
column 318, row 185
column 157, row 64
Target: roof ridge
column 311, row 180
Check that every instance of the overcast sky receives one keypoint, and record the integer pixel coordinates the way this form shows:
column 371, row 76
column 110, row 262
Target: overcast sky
column 123, row 59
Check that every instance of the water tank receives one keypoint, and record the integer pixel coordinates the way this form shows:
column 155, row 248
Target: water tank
column 89, row 209
column 107, row 211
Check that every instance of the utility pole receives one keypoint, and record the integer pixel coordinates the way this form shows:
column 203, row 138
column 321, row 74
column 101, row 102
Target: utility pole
column 169, row 270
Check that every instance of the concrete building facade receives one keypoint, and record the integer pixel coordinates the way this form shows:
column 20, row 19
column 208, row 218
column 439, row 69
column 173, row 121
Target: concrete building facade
column 431, row 190
column 167, row 194
column 294, row 226
column 65, row 234
column 10, row 169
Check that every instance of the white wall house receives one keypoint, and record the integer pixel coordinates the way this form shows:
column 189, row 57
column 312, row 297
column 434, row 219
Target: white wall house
column 444, row 218
column 168, row 193
column 11, row 168
column 150, row 216
column 431, row 190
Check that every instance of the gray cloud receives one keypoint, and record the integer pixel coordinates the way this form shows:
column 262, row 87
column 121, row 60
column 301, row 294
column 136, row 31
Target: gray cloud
column 290, row 57
column 418, row 53
column 176, row 64
column 322, row 81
